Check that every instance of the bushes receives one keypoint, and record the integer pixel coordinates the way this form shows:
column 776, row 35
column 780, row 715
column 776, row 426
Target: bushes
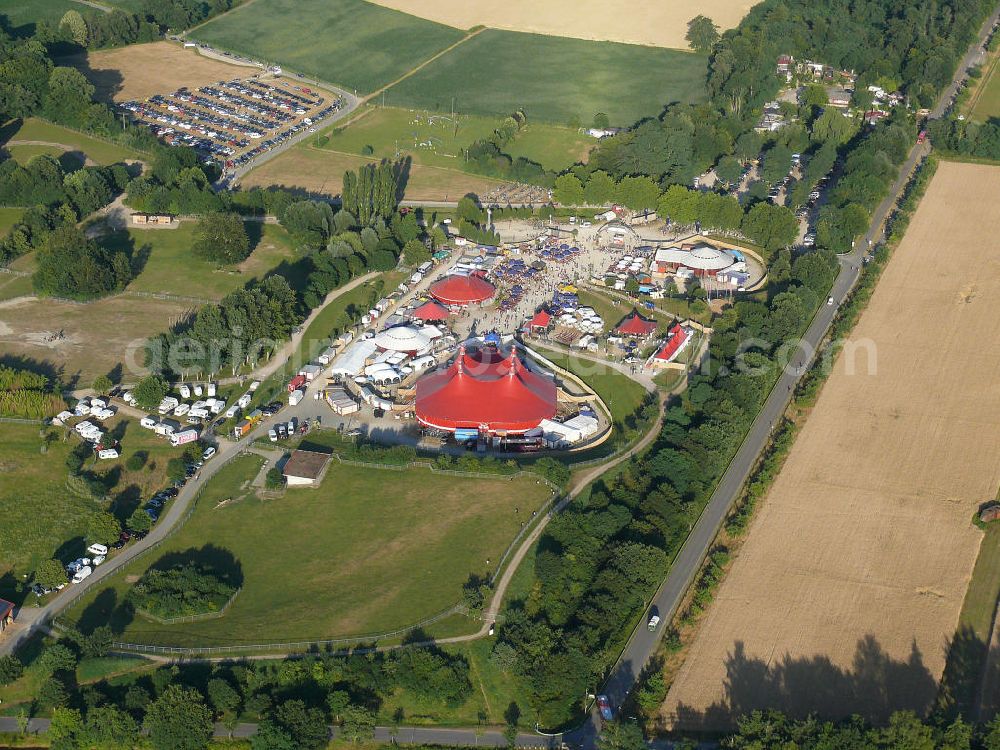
column 72, row 266
column 180, row 591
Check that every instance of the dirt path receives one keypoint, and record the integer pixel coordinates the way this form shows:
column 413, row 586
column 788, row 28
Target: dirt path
column 87, row 161
column 424, row 64
column 281, row 356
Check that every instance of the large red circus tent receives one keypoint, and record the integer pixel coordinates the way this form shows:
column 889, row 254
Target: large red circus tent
column 458, row 290
column 485, row 390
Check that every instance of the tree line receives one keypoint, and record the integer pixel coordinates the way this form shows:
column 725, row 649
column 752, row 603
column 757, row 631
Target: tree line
column 294, row 700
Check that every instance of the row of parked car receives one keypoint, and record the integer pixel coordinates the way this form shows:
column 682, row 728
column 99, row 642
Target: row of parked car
column 282, row 137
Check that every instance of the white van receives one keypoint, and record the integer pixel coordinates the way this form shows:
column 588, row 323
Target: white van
column 149, row 422
column 82, row 573
column 97, row 549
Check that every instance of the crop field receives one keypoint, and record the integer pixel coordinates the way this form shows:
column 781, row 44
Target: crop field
column 553, row 79
column 320, row 172
column 171, row 266
column 439, row 139
column 368, row 551
column 850, row 583
column 657, row 23
column 22, row 15
column 34, row 132
column 140, row 70
column 84, row 341
column 43, row 515
column 352, row 43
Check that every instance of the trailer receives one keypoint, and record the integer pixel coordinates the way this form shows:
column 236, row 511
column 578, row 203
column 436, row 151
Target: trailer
column 168, row 405
column 242, row 428
column 294, row 397
column 182, row 437
column 244, row 401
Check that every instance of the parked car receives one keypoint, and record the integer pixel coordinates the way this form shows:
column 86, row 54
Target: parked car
column 604, row 706
column 209, row 452
column 654, row 621
column 82, row 573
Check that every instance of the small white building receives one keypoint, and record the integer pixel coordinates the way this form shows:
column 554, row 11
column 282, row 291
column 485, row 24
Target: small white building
column 305, row 468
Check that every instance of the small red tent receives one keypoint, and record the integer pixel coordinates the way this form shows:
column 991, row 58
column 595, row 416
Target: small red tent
column 541, row 320
column 431, row 311
column 636, row 325
column 674, row 343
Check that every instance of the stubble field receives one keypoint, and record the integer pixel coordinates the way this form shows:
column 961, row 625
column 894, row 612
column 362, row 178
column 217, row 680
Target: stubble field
column 652, row 22
column 140, row 70
column 849, row 586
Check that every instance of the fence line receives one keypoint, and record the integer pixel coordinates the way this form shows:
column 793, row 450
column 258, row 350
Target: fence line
column 19, row 420
column 189, row 618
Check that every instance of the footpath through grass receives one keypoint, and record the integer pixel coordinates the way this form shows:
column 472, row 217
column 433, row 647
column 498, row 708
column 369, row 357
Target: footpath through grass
column 555, row 79
column 371, row 550
column 33, row 129
column 355, row 44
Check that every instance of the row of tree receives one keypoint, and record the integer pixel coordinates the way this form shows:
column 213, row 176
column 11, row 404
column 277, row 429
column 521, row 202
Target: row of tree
column 294, row 700
column 967, row 138
column 27, row 394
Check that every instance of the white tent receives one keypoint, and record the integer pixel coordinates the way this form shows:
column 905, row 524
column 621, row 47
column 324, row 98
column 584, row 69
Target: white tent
column 401, row 339
column 352, row 361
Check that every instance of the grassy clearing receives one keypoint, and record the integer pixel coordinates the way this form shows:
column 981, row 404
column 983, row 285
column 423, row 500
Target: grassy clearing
column 370, row 550
column 438, row 140
column 173, row 268
column 33, row 129
column 8, row 218
column 24, row 154
column 355, row 44
column 320, row 172
column 987, row 97
column 622, row 394
column 46, row 517
column 553, row 79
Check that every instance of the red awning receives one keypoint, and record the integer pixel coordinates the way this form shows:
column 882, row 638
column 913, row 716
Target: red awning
column 485, row 390
column 636, row 325
column 677, row 338
column 462, row 290
column 431, row 311
column 541, row 319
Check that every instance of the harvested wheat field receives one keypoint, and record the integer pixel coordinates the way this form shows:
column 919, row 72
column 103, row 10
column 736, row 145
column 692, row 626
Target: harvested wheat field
column 851, row 580
column 659, row 23
column 141, row 70
column 321, row 172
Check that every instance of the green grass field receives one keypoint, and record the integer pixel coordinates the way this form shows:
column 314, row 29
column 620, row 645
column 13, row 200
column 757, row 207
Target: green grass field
column 33, row 129
column 172, row 267
column 43, row 515
column 553, row 79
column 987, row 103
column 622, row 394
column 8, row 218
column 22, row 15
column 369, row 551
column 355, row 44
column 438, row 140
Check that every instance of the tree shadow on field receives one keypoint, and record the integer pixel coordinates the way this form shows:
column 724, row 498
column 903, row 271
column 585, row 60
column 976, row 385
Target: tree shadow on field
column 107, row 83
column 874, row 686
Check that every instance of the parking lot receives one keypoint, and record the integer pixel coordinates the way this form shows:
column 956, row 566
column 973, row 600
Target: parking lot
column 233, row 122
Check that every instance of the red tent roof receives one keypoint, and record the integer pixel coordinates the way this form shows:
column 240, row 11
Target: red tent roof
column 462, row 290
column 677, row 338
column 431, row 311
column 485, row 389
column 636, row 325
column 541, row 320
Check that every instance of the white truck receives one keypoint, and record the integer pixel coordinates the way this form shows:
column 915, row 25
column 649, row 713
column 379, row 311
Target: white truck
column 182, row 437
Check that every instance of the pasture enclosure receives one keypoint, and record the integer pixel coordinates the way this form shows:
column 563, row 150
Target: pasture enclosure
column 52, row 138
column 657, row 23
column 352, row 43
column 553, row 79
column 141, row 70
column 368, row 551
column 849, row 585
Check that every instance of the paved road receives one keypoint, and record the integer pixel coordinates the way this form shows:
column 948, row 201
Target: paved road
column 643, row 644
